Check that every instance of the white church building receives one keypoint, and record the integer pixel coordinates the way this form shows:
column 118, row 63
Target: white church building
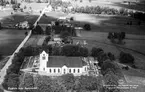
column 59, row 65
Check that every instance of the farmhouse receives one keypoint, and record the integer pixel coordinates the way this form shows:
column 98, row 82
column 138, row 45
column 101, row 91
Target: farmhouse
column 59, row 65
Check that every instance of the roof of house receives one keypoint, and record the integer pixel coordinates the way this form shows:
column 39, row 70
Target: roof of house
column 60, row 61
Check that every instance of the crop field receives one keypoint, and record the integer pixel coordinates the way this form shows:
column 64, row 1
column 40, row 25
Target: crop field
column 35, row 40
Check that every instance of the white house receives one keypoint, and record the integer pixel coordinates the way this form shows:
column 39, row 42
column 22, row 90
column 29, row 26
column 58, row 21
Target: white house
column 59, row 65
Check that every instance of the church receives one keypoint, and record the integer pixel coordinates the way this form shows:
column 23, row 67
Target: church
column 59, row 65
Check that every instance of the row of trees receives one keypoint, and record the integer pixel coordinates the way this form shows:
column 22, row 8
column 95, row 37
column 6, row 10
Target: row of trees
column 100, row 10
column 108, row 11
column 12, row 76
column 57, row 29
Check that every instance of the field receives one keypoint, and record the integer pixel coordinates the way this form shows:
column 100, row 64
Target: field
column 10, row 40
column 117, row 4
column 35, row 40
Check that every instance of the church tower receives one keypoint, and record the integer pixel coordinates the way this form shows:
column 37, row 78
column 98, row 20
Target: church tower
column 43, row 61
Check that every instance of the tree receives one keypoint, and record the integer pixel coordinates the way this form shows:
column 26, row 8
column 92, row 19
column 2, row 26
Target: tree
column 68, row 80
column 13, row 81
column 126, row 58
column 111, row 56
column 101, row 58
column 112, row 80
column 0, row 26
column 46, row 84
column 84, row 51
column 37, row 30
column 108, row 65
column 48, row 30
column 87, row 27
column 87, row 83
column 64, row 34
column 95, row 51
column 74, row 50
column 70, row 50
column 56, row 51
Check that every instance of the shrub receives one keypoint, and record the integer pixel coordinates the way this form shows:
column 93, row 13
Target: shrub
column 126, row 58
column 87, row 27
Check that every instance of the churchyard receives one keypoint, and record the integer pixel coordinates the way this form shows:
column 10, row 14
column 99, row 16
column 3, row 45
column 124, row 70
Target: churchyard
column 101, row 25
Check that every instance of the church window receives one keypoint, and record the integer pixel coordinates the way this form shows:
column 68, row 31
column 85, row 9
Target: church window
column 43, row 57
column 54, row 70
column 50, row 70
column 69, row 70
column 78, row 70
column 74, row 70
column 58, row 70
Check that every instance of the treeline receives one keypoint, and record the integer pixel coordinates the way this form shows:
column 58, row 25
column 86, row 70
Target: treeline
column 138, row 15
column 99, row 10
column 12, row 77
column 108, row 11
column 57, row 28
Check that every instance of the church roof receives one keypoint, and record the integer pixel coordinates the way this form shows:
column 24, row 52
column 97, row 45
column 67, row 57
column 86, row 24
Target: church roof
column 60, row 61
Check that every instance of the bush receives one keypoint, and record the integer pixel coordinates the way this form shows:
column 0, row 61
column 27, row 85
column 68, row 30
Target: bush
column 87, row 27
column 126, row 58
